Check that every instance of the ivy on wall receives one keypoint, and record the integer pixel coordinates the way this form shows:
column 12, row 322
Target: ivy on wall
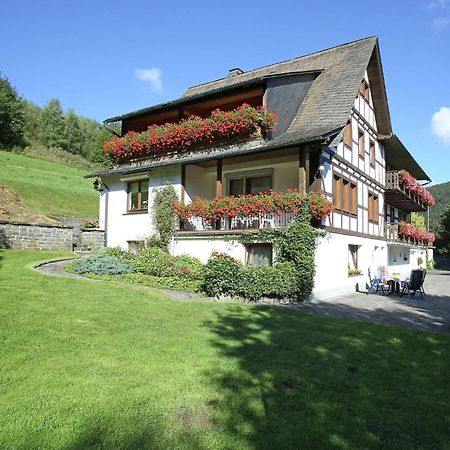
column 292, row 275
column 163, row 214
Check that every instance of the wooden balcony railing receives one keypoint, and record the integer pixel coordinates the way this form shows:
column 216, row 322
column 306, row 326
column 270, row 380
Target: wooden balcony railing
column 391, row 232
column 266, row 221
column 400, row 197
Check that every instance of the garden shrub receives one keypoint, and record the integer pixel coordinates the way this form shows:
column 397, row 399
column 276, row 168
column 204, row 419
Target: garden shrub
column 153, row 261
column 101, row 265
column 188, row 267
column 221, row 275
column 278, row 281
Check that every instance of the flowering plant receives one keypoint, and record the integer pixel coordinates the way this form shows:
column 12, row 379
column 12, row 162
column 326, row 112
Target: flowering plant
column 276, row 203
column 409, row 230
column 191, row 132
column 407, row 181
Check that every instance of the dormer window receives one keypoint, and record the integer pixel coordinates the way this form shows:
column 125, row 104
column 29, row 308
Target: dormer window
column 364, row 89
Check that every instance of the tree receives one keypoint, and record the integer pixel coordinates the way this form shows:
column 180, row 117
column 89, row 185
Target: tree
column 443, row 233
column 11, row 115
column 52, row 125
column 96, row 154
column 32, row 122
column 418, row 220
column 74, row 137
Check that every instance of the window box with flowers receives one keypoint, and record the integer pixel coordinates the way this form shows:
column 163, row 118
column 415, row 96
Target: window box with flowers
column 191, row 133
column 251, row 211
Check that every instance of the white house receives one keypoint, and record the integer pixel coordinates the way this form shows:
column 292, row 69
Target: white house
column 334, row 135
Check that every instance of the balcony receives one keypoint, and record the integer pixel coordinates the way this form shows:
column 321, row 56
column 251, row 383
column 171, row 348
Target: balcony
column 402, row 195
column 266, row 210
column 407, row 233
column 237, row 224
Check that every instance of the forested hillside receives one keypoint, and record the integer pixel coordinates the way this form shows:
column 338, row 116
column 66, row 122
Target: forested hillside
column 24, row 124
column 44, row 154
column 441, row 193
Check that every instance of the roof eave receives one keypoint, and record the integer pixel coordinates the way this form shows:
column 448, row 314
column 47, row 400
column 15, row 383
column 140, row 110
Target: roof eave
column 402, row 158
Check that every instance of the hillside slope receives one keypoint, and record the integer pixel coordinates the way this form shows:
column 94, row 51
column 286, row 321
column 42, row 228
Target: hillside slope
column 441, row 193
column 43, row 188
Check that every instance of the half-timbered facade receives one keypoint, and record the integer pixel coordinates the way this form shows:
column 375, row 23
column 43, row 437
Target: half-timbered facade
column 334, row 135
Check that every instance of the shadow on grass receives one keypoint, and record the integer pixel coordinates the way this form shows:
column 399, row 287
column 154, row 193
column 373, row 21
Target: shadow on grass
column 302, row 381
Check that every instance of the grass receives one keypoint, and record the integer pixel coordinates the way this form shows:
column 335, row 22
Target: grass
column 49, row 187
column 89, row 364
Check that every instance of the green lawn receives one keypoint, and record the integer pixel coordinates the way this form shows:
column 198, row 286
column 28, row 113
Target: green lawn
column 87, row 364
column 48, row 187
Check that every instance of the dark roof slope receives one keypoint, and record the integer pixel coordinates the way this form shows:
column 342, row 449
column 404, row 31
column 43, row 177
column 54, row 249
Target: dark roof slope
column 398, row 157
column 330, row 99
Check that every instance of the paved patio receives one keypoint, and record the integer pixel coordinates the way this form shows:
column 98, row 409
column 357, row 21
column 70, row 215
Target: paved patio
column 432, row 313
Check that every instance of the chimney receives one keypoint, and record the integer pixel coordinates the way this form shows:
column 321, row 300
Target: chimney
column 234, row 72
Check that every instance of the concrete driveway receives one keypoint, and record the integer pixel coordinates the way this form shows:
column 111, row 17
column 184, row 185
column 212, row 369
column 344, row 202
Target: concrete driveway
column 432, row 313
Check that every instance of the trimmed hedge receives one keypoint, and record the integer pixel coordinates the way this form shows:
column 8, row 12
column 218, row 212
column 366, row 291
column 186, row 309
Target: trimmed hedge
column 224, row 276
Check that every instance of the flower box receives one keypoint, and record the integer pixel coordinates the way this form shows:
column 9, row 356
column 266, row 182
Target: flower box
column 192, row 133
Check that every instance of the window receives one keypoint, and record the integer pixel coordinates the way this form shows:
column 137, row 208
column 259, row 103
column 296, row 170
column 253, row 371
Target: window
column 364, row 89
column 259, row 254
column 135, row 246
column 372, row 153
column 348, row 135
column 249, row 185
column 137, row 195
column 373, row 207
column 337, row 192
column 345, row 195
column 354, row 198
column 353, row 257
column 361, row 148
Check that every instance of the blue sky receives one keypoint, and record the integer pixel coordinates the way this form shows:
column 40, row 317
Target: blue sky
column 106, row 58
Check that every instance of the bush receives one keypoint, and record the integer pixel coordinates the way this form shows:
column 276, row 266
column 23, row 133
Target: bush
column 188, row 267
column 158, row 263
column 221, row 274
column 226, row 276
column 101, row 265
column 278, row 281
column 153, row 261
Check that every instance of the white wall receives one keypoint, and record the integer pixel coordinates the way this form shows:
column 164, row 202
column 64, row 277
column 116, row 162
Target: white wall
column 332, row 263
column 201, row 181
column 203, row 247
column 123, row 226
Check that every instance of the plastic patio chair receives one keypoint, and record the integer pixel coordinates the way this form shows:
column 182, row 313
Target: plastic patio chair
column 415, row 283
column 377, row 284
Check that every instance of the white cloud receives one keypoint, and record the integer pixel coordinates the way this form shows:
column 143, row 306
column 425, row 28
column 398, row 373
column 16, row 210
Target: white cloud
column 440, row 124
column 437, row 4
column 151, row 76
column 440, row 23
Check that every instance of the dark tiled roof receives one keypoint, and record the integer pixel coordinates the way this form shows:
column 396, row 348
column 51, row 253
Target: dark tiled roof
column 330, row 98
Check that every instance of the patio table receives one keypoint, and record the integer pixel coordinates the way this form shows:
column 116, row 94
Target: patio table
column 395, row 281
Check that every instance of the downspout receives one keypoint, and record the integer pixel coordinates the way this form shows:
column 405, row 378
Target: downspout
column 105, row 238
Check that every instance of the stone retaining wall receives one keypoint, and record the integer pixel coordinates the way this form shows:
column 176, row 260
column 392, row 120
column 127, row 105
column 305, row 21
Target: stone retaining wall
column 92, row 238
column 47, row 237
